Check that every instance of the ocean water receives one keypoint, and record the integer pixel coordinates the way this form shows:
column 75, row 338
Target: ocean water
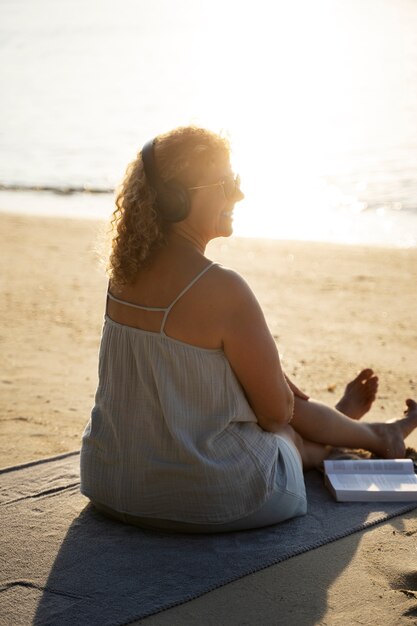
column 319, row 100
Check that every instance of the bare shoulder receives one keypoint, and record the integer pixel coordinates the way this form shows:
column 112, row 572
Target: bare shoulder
column 232, row 302
column 229, row 286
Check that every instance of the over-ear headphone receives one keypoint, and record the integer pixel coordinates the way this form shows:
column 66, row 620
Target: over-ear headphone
column 172, row 199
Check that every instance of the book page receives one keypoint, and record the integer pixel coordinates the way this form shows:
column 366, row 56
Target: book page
column 374, row 482
column 370, row 466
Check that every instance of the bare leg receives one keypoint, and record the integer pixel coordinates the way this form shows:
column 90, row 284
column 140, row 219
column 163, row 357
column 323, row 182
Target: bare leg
column 316, row 424
column 359, row 395
column 312, row 454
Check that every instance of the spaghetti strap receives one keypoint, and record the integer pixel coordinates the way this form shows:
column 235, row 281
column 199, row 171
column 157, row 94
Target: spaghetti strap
column 135, row 306
column 162, row 309
column 190, row 284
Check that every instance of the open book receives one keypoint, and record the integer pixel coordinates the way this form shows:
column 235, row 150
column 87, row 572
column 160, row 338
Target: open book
column 371, row 480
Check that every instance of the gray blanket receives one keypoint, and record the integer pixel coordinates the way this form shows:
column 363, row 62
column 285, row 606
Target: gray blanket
column 63, row 563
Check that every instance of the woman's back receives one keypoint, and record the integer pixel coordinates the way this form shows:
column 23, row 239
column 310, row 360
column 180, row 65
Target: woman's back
column 197, row 318
column 170, row 418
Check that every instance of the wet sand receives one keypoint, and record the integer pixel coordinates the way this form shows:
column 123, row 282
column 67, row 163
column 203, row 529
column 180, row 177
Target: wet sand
column 332, row 309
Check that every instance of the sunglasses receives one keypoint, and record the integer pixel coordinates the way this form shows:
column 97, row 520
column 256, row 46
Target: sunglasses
column 229, row 184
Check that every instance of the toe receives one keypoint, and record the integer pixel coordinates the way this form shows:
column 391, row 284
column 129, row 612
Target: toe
column 364, row 375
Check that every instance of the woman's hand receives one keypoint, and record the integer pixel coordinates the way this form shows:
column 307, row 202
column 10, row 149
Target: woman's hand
column 297, row 392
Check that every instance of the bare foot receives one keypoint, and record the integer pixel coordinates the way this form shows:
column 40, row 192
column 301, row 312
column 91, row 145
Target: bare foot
column 359, row 395
column 390, row 435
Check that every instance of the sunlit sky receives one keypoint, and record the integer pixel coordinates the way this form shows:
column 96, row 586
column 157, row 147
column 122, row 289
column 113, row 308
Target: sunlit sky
column 304, row 89
column 301, row 89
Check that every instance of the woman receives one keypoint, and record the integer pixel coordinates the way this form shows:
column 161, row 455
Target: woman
column 195, row 427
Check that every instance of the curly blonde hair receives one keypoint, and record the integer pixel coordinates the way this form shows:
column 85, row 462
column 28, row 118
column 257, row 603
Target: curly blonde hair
column 136, row 227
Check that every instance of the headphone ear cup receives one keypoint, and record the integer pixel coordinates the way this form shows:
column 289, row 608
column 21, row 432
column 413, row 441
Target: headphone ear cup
column 173, row 202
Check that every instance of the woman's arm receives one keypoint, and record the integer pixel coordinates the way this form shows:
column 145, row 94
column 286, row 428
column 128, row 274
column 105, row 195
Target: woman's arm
column 253, row 355
column 297, row 392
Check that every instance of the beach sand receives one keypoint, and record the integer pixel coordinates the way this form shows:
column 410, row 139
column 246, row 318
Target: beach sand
column 332, row 309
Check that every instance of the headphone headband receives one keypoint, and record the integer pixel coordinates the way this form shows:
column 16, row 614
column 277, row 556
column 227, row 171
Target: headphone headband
column 148, row 160
column 172, row 200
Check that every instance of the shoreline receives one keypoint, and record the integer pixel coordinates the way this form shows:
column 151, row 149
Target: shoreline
column 379, row 228
column 332, row 309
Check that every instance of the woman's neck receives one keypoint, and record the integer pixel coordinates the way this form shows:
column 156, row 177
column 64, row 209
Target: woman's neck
column 187, row 241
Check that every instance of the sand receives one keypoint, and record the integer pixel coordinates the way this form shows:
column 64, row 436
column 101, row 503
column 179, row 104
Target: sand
column 332, row 309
